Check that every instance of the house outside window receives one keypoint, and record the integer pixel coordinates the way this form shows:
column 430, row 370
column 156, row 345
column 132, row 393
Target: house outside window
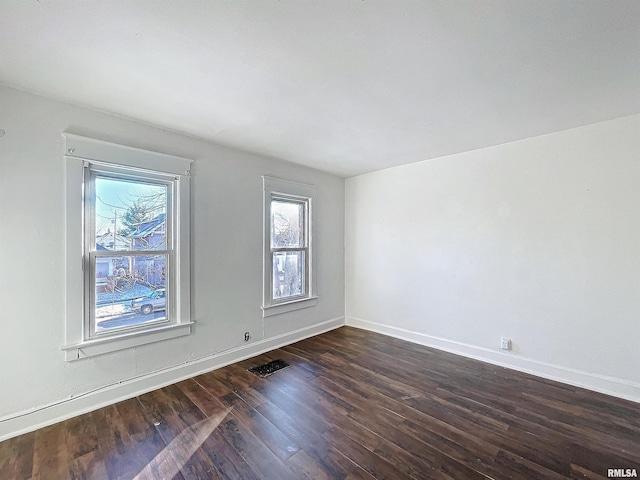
column 289, row 257
column 129, row 285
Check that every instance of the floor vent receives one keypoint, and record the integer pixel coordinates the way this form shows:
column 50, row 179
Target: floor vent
column 269, row 368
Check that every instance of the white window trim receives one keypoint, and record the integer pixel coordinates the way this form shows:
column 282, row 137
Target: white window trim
column 274, row 187
column 78, row 152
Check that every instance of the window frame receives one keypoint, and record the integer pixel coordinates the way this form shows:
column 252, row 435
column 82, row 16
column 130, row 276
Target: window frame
column 91, row 252
column 304, row 248
column 275, row 189
column 86, row 158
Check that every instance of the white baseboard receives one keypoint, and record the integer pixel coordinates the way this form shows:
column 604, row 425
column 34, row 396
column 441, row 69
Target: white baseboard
column 599, row 383
column 45, row 415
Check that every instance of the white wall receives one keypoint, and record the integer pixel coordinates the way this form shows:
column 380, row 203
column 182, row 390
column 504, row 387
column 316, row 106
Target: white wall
column 226, row 264
column 537, row 240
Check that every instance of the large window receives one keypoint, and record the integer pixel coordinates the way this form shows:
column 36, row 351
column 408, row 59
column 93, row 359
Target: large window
column 129, row 250
column 288, row 263
column 132, row 209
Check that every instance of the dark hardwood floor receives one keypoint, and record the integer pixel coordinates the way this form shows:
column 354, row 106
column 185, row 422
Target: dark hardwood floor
column 352, row 405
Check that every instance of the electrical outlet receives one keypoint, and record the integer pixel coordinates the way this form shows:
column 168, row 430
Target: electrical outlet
column 505, row 343
column 246, row 336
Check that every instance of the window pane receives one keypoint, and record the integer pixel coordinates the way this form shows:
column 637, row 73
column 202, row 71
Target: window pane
column 129, row 215
column 287, row 224
column 129, row 291
column 288, row 274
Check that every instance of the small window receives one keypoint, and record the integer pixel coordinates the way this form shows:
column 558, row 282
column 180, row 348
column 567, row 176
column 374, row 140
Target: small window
column 289, row 266
column 128, row 230
column 289, row 248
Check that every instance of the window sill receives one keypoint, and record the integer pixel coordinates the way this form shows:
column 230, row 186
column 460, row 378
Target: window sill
column 99, row 346
column 278, row 308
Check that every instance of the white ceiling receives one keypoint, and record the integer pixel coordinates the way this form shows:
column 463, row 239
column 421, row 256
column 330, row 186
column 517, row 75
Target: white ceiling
column 343, row 86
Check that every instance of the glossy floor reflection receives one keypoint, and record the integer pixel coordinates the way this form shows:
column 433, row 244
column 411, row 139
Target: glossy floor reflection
column 352, row 405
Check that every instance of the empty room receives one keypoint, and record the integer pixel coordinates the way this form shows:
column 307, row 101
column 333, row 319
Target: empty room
column 320, row 239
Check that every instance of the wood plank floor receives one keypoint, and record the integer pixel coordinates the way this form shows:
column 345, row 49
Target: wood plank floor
column 352, row 405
